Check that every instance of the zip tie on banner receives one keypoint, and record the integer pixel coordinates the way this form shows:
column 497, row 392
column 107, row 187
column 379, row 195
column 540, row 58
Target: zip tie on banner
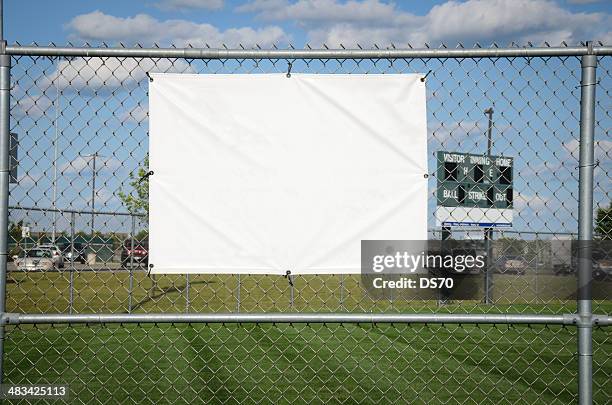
column 425, row 77
column 149, row 76
column 289, row 66
column 146, row 176
column 289, row 277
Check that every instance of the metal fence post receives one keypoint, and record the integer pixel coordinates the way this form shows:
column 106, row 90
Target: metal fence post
column 488, row 233
column 585, row 226
column 187, row 293
column 238, row 294
column 341, row 291
column 537, row 259
column 291, row 293
column 71, row 299
column 131, row 285
column 488, row 296
column 5, row 91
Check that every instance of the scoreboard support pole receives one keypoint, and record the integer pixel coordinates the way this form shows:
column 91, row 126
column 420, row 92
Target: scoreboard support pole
column 446, row 233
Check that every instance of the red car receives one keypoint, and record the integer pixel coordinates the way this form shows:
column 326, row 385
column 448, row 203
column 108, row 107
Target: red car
column 139, row 256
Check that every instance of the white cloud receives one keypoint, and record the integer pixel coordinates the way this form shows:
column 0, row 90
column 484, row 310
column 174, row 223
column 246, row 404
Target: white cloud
column 107, row 74
column 602, row 149
column 324, row 10
column 189, row 4
column 522, row 20
column 82, row 164
column 583, row 1
column 368, row 22
column 33, row 106
column 97, row 26
column 443, row 132
column 29, row 179
column 138, row 114
column 564, row 166
column 531, row 201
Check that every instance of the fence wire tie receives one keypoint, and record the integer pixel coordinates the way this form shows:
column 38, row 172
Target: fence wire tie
column 146, row 176
column 425, row 77
column 588, row 84
column 289, row 277
column 596, row 164
column 289, row 66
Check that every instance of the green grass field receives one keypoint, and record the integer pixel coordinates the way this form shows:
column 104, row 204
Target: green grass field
column 292, row 363
column 306, row 363
column 108, row 292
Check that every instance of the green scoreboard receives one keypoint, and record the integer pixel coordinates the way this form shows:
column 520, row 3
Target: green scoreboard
column 474, row 190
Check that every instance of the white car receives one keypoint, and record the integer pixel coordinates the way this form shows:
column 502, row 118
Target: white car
column 56, row 254
column 35, row 259
column 512, row 264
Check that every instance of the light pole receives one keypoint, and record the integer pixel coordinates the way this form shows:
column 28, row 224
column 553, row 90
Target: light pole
column 488, row 233
column 93, row 189
column 53, row 233
column 489, row 112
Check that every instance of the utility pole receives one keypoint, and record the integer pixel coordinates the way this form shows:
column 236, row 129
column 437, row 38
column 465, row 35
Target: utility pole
column 488, row 233
column 93, row 156
column 489, row 112
column 57, row 107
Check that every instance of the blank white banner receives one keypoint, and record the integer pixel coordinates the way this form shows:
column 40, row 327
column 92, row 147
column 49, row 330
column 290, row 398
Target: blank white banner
column 264, row 173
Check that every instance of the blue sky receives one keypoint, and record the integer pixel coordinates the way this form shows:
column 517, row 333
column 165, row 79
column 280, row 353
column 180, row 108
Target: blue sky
column 102, row 104
column 307, row 21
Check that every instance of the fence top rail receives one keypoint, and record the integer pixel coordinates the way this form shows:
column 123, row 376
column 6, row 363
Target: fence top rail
column 564, row 319
column 74, row 211
column 215, row 53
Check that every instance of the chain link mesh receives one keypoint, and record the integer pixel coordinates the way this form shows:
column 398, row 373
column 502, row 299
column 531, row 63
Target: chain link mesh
column 305, row 363
column 82, row 130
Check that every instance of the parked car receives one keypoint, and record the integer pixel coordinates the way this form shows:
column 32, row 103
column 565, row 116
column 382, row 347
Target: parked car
column 138, row 256
column 511, row 264
column 78, row 249
column 56, row 254
column 602, row 265
column 35, row 260
column 562, row 257
column 602, row 262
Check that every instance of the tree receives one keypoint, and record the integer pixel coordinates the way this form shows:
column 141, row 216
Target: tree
column 137, row 201
column 15, row 231
column 509, row 247
column 15, row 239
column 142, row 235
column 603, row 222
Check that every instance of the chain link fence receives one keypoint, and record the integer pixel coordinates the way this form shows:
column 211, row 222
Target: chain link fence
column 80, row 119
